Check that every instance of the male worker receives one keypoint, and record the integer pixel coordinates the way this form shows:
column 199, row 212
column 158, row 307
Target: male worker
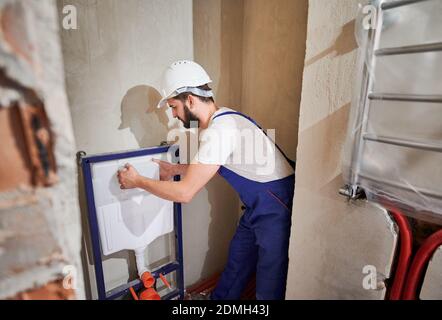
column 261, row 241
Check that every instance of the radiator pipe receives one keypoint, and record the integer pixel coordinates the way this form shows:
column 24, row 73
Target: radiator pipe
column 420, row 262
column 406, row 246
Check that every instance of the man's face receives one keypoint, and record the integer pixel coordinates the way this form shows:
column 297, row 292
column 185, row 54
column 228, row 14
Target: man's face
column 181, row 111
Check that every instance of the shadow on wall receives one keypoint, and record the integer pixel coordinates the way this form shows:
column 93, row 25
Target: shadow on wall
column 344, row 43
column 139, row 114
column 149, row 125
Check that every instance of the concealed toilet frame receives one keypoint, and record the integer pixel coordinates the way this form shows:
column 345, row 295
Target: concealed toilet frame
column 175, row 266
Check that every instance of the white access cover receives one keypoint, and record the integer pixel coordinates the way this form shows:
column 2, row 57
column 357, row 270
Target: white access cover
column 133, row 218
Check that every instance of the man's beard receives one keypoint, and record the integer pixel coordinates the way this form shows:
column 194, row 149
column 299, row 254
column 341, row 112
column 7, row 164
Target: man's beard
column 189, row 117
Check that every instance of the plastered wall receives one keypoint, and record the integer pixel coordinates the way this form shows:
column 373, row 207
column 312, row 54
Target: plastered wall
column 113, row 65
column 273, row 60
column 332, row 240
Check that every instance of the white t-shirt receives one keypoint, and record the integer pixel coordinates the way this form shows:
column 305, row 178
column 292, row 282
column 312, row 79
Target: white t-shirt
column 239, row 145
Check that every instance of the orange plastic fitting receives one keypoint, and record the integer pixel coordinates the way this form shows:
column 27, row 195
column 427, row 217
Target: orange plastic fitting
column 163, row 278
column 147, row 279
column 149, row 294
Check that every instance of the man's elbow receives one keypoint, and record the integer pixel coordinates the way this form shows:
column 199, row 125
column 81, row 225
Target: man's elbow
column 186, row 197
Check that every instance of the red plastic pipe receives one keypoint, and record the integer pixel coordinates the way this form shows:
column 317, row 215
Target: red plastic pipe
column 406, row 246
column 419, row 264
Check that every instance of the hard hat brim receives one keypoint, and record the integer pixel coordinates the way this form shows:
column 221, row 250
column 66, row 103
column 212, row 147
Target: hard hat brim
column 162, row 103
column 195, row 91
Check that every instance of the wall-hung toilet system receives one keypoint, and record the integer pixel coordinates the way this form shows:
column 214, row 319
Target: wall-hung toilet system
column 130, row 219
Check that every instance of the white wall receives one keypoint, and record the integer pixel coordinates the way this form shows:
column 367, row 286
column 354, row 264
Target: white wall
column 113, row 64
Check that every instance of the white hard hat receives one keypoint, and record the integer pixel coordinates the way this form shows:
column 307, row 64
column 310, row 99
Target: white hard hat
column 183, row 76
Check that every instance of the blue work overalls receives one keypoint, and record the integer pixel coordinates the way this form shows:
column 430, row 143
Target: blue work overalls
column 260, row 244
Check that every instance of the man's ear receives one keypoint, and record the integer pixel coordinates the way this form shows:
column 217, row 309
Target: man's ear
column 191, row 102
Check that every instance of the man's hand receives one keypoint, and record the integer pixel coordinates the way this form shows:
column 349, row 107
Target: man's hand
column 128, row 177
column 167, row 170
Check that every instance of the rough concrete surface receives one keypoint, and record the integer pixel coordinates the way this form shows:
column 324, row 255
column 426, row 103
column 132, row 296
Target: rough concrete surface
column 431, row 287
column 332, row 240
column 39, row 227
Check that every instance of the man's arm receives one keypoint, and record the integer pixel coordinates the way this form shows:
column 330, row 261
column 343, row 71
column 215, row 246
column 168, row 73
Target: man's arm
column 196, row 177
column 169, row 170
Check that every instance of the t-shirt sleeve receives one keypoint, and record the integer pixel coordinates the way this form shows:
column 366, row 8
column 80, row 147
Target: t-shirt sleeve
column 217, row 142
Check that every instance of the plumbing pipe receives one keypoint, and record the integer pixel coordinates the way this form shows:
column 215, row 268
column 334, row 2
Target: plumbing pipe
column 139, row 257
column 406, row 246
column 149, row 294
column 166, row 283
column 420, row 262
column 205, row 284
column 132, row 292
column 146, row 277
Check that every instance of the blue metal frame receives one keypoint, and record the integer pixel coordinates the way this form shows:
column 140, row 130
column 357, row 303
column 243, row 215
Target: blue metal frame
column 176, row 266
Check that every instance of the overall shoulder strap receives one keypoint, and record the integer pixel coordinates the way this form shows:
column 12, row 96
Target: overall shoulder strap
column 291, row 162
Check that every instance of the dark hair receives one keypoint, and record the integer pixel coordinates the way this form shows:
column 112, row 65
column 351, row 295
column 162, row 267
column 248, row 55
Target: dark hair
column 183, row 96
